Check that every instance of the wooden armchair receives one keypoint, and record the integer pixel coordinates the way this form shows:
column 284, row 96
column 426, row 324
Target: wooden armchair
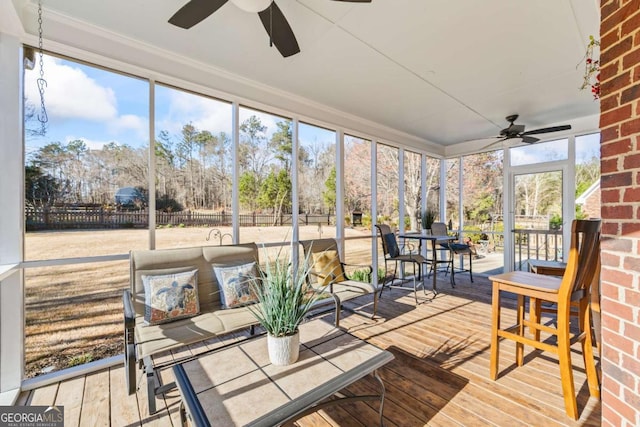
column 574, row 286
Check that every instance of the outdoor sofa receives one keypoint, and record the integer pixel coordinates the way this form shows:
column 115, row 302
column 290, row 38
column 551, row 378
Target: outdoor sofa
column 143, row 341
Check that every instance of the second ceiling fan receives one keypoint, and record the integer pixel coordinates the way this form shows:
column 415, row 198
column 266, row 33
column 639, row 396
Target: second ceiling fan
column 279, row 31
column 517, row 131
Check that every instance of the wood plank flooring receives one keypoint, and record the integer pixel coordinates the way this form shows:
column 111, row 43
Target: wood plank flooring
column 440, row 375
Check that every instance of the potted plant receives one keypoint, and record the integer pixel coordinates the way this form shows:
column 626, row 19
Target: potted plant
column 284, row 299
column 427, row 216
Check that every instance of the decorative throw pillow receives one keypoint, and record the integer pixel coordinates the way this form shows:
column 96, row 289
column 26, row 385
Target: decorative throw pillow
column 235, row 284
column 327, row 266
column 170, row 297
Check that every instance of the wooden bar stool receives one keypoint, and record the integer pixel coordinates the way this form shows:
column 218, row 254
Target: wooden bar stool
column 574, row 286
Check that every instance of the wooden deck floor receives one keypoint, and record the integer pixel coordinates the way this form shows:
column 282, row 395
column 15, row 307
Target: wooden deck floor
column 439, row 376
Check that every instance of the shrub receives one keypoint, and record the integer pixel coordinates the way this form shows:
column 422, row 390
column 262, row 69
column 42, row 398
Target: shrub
column 168, row 204
column 366, row 220
column 555, row 222
column 363, row 275
column 80, row 359
column 474, row 232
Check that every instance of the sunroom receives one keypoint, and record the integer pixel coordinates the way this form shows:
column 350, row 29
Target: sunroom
column 163, row 137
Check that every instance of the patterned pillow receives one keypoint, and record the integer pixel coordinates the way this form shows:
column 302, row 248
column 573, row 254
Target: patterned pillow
column 235, row 284
column 170, row 297
column 327, row 266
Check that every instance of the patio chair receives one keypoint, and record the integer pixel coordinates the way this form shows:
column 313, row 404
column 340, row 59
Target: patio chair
column 329, row 272
column 574, row 285
column 440, row 229
column 393, row 255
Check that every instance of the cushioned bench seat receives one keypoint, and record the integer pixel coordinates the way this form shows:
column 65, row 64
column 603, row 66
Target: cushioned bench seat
column 154, row 339
column 180, row 274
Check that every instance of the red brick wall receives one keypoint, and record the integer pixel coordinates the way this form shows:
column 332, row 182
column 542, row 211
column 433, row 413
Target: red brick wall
column 591, row 207
column 620, row 184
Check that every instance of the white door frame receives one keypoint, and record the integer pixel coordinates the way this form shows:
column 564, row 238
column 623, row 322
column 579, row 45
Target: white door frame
column 568, row 201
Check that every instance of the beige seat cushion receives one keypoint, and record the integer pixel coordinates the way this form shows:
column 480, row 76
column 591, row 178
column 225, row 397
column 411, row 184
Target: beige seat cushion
column 349, row 289
column 167, row 336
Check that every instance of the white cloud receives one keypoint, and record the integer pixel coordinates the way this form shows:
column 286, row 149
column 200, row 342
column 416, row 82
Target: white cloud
column 266, row 119
column 202, row 112
column 91, row 144
column 206, row 114
column 70, row 93
column 132, row 123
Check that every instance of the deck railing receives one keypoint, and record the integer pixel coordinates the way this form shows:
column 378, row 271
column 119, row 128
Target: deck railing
column 536, row 244
column 527, row 244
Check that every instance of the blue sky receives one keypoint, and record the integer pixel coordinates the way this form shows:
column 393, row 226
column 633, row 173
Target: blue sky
column 100, row 106
column 90, row 104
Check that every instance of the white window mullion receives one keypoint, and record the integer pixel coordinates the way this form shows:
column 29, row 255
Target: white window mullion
column 461, row 195
column 401, row 204
column 151, row 182
column 374, row 211
column 423, row 184
column 12, row 218
column 443, row 190
column 295, row 232
column 508, row 217
column 235, row 174
column 340, row 189
column 568, row 196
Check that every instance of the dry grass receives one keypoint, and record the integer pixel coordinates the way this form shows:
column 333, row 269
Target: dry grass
column 74, row 312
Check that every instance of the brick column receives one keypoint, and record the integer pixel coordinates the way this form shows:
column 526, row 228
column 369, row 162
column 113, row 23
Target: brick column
column 620, row 183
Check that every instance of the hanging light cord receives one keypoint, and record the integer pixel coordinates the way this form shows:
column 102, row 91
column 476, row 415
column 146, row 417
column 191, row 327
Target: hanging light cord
column 42, row 83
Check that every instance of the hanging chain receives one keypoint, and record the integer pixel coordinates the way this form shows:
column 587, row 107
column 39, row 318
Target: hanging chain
column 42, row 83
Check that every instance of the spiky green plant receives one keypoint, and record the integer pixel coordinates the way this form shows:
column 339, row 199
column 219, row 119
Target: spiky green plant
column 427, row 216
column 284, row 296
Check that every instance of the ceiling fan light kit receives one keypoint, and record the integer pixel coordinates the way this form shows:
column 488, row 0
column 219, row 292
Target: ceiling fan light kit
column 279, row 31
column 252, row 5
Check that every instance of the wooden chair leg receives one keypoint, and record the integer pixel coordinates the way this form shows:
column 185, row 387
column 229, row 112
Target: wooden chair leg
column 564, row 357
column 535, row 315
column 587, row 349
column 520, row 320
column 495, row 326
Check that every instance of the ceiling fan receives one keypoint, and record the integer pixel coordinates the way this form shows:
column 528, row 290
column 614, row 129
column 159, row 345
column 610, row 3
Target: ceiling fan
column 517, row 131
column 273, row 20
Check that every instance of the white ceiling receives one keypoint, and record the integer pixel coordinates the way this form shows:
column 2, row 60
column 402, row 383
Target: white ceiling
column 444, row 71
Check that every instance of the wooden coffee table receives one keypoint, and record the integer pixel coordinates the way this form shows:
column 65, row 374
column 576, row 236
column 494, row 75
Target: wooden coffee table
column 237, row 385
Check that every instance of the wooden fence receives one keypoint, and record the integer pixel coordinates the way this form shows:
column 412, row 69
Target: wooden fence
column 63, row 219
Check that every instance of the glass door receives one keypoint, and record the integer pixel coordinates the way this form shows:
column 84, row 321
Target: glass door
column 538, row 218
column 539, row 202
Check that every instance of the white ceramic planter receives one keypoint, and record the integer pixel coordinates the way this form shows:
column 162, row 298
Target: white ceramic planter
column 284, row 350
